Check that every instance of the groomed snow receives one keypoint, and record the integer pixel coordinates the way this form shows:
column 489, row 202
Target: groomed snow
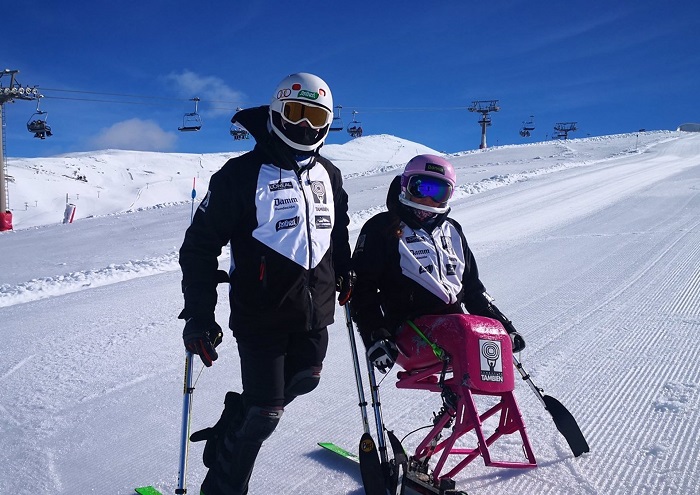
column 591, row 246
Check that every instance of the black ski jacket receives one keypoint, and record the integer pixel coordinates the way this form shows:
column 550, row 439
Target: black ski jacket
column 288, row 231
column 405, row 270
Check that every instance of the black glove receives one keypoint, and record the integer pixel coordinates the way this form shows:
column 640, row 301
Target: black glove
column 344, row 284
column 383, row 351
column 518, row 342
column 515, row 337
column 201, row 336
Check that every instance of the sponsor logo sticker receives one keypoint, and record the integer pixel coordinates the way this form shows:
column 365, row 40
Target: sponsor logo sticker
column 491, row 362
column 285, row 201
column 323, row 222
column 279, row 186
column 304, row 93
column 367, row 445
column 205, row 202
column 413, row 238
column 360, row 245
column 425, row 269
column 431, row 167
column 287, row 223
column 318, row 188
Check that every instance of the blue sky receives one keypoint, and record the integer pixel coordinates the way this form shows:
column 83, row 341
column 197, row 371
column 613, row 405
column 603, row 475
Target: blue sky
column 120, row 74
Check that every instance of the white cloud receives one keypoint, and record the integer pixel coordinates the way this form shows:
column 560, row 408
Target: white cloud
column 213, row 92
column 135, row 134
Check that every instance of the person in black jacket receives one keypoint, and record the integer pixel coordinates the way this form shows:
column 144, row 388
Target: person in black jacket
column 283, row 209
column 414, row 260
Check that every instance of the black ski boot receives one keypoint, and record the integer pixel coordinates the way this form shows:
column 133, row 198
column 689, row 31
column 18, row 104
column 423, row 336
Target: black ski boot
column 237, row 450
column 232, row 416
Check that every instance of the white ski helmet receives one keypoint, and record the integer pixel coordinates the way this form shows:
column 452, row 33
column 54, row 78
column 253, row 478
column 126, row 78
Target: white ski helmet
column 301, row 111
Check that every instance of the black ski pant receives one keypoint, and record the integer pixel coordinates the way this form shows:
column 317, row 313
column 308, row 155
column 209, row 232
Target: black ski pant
column 277, row 367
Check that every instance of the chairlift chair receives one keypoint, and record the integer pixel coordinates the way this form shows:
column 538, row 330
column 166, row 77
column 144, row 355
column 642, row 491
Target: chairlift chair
column 337, row 123
column 191, row 121
column 239, row 133
column 355, row 127
column 37, row 124
column 527, row 127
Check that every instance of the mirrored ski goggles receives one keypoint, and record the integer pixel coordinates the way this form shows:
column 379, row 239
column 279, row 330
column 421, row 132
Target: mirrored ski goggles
column 427, row 186
column 295, row 112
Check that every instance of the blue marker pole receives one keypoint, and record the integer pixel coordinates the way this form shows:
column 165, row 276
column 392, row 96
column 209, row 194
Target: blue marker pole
column 194, row 195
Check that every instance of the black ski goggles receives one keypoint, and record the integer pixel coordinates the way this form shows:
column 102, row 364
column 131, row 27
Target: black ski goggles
column 427, row 186
column 295, row 112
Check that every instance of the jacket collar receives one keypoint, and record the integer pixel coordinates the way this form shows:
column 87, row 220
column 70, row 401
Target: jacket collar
column 256, row 121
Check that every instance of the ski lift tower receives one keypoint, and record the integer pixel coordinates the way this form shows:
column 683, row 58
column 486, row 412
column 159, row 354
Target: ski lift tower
column 8, row 94
column 564, row 128
column 484, row 107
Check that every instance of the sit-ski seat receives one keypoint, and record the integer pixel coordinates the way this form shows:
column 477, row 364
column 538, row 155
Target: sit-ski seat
column 479, row 362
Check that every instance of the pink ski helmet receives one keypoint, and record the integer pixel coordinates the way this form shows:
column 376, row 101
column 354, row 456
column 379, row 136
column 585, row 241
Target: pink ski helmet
column 428, row 176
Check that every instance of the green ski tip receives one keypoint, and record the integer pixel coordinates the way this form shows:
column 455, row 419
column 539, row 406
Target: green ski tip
column 147, row 490
column 339, row 450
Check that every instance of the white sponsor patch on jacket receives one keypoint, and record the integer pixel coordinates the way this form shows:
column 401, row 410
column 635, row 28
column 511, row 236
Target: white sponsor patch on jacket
column 295, row 217
column 432, row 261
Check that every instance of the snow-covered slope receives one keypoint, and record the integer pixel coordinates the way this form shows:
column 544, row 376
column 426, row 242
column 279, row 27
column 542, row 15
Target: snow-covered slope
column 590, row 246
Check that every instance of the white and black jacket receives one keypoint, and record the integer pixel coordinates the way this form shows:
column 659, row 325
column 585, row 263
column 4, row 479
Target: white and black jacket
column 405, row 270
column 287, row 227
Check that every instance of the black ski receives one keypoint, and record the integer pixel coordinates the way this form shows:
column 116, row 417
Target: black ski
column 397, row 464
column 371, row 469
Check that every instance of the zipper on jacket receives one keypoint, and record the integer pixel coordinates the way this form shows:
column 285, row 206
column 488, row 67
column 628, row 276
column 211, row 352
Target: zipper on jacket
column 437, row 254
column 438, row 261
column 307, row 278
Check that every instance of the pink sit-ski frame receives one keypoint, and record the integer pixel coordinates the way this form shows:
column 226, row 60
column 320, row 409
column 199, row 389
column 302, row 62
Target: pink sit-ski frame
column 463, row 338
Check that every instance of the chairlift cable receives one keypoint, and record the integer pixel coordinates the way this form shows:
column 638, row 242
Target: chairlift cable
column 113, row 94
column 127, row 95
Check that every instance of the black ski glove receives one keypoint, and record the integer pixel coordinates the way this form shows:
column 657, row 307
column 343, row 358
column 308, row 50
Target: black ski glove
column 383, row 352
column 492, row 311
column 515, row 337
column 518, row 342
column 201, row 336
column 344, row 284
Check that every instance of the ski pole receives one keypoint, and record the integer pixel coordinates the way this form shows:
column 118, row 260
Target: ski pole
column 563, row 419
column 374, row 473
column 186, row 400
column 376, row 404
column 377, row 407
column 358, row 373
column 185, row 426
